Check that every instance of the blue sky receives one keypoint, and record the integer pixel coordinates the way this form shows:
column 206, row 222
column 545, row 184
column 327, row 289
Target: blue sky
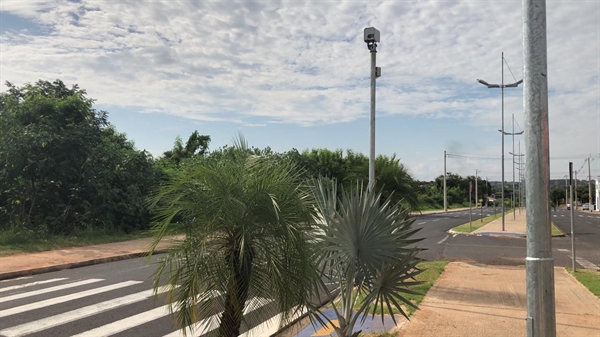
column 295, row 74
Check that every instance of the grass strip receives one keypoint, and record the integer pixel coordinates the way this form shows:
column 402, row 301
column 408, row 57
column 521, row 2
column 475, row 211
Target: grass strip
column 29, row 242
column 476, row 224
column 589, row 278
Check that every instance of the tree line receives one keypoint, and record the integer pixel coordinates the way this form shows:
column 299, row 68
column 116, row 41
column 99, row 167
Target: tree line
column 65, row 168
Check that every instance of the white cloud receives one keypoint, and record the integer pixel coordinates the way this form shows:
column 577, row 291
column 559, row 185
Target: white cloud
column 304, row 62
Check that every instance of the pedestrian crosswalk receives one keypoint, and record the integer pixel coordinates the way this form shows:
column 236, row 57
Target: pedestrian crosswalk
column 96, row 307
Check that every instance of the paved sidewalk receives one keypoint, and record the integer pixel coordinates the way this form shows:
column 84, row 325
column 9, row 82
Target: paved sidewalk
column 36, row 263
column 490, row 301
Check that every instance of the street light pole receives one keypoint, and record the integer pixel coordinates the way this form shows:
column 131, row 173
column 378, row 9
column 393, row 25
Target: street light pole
column 589, row 185
column 541, row 310
column 445, row 193
column 502, row 86
column 371, row 38
column 513, row 162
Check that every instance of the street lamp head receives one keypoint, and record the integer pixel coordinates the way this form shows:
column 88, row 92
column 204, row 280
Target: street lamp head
column 483, row 82
column 514, row 85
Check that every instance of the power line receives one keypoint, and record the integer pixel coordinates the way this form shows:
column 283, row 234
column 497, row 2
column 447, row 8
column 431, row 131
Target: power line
column 513, row 75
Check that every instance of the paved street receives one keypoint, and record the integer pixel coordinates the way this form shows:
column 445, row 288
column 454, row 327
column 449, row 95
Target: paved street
column 508, row 250
column 112, row 299
column 115, row 299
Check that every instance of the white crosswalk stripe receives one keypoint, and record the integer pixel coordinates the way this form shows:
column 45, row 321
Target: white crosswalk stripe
column 126, row 323
column 65, row 298
column 21, row 286
column 49, row 290
column 57, row 320
column 70, row 316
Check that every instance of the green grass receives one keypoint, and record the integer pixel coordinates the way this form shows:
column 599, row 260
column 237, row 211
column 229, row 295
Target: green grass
column 382, row 334
column 433, row 270
column 23, row 241
column 476, row 224
column 556, row 231
column 589, row 278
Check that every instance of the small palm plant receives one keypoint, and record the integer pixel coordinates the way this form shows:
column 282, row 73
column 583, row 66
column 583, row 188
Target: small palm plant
column 246, row 255
column 367, row 253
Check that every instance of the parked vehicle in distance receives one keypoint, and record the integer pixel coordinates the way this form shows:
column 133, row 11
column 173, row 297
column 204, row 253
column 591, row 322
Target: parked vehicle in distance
column 585, row 207
column 568, row 207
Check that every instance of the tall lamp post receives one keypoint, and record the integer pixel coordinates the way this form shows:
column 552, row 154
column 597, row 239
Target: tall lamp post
column 513, row 171
column 513, row 184
column 371, row 39
column 502, row 86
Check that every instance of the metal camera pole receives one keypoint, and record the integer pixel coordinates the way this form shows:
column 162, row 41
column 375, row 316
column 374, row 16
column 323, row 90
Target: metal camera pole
column 371, row 38
column 541, row 313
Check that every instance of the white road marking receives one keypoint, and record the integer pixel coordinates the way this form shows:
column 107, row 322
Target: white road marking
column 562, row 250
column 49, row 290
column 20, row 286
column 554, row 215
column 206, row 325
column 66, row 298
column 585, row 263
column 73, row 315
column 17, row 279
column 436, row 220
column 126, row 323
column 444, row 239
column 420, row 223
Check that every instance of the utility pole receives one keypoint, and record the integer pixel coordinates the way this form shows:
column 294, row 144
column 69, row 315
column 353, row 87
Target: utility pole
column 566, row 191
column 502, row 86
column 445, row 193
column 372, row 38
column 541, row 312
column 575, row 203
column 590, row 184
column 572, row 219
column 513, row 162
column 476, row 198
column 513, row 154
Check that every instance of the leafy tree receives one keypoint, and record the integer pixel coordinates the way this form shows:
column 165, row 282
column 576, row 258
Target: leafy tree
column 196, row 145
column 244, row 218
column 63, row 168
column 366, row 251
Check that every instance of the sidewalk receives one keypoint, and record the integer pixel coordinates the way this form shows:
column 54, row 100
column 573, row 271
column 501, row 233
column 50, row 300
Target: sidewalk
column 490, row 301
column 19, row 265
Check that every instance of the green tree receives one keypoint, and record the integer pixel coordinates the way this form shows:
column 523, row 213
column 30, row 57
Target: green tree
column 246, row 238
column 63, row 168
column 366, row 252
column 196, row 145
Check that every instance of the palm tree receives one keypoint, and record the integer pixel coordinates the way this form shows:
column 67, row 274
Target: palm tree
column 246, row 256
column 367, row 252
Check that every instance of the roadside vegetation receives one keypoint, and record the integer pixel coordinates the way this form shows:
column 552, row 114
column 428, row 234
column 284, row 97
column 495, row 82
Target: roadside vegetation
column 30, row 242
column 589, row 278
column 476, row 224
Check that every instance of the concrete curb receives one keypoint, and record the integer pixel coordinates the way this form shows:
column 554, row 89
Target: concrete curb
column 436, row 212
column 72, row 265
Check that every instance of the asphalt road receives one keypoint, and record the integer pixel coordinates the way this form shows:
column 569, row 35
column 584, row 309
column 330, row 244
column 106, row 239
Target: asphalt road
column 508, row 250
column 115, row 299
column 111, row 299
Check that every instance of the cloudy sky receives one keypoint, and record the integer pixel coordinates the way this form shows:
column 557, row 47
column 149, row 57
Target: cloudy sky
column 295, row 74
